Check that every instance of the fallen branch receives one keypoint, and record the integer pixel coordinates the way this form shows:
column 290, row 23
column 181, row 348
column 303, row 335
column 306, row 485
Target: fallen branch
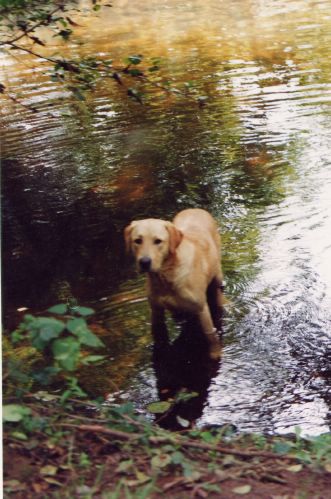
column 187, row 443
column 239, row 453
column 100, row 429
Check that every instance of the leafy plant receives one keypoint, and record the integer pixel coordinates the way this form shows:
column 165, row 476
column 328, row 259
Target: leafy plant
column 20, row 21
column 160, row 407
column 60, row 343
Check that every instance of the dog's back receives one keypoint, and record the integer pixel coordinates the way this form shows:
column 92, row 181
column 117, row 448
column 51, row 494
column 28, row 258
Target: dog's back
column 200, row 229
column 197, row 222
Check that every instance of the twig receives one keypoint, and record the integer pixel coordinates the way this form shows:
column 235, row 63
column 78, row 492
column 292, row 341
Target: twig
column 172, row 484
column 100, row 429
column 273, row 478
column 44, row 22
column 181, row 441
column 32, row 52
column 225, row 450
column 16, row 101
column 76, row 401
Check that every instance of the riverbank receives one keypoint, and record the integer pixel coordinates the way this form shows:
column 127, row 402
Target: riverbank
column 93, row 451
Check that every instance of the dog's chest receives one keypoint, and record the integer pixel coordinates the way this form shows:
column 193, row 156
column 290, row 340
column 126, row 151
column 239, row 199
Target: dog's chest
column 173, row 297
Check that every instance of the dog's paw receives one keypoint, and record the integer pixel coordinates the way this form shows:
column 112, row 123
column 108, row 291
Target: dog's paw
column 215, row 347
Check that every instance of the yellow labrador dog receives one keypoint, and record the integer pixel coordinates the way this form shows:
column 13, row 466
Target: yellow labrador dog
column 182, row 262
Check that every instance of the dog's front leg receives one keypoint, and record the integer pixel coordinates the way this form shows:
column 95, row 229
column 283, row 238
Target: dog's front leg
column 159, row 328
column 210, row 333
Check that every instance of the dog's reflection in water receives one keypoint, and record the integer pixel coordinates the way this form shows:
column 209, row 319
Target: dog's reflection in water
column 183, row 367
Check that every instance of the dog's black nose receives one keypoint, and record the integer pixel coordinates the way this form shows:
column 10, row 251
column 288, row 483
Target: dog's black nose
column 145, row 263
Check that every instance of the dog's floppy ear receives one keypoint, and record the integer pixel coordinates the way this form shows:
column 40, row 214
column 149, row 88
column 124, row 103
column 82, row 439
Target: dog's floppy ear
column 175, row 237
column 127, row 236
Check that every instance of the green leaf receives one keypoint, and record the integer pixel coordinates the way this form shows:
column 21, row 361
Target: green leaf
column 303, row 456
column 52, row 481
column 44, row 329
column 295, row 468
column 59, row 309
column 16, row 336
column 183, row 422
column 211, row 487
column 134, row 59
column 19, row 435
column 84, row 460
column 14, row 486
column 184, row 396
column 12, row 413
column 49, row 323
column 66, row 351
column 298, row 432
column 160, row 460
column 45, row 375
column 142, row 477
column 124, row 466
column 79, row 328
column 207, row 436
column 282, row 447
column 84, row 311
column 242, row 490
column 45, row 396
column 90, row 359
column 135, row 72
column 49, row 469
column 177, row 457
column 65, row 395
column 65, row 33
column 77, row 93
column 158, row 407
column 191, row 474
column 47, row 334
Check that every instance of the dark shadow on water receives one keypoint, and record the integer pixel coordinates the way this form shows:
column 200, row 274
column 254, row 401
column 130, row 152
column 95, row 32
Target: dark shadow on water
column 53, row 252
column 182, row 367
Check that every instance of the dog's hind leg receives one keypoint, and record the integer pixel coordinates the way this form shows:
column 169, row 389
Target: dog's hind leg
column 210, row 332
column 215, row 300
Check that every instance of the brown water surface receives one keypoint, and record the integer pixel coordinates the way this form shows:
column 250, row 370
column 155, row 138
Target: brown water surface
column 257, row 156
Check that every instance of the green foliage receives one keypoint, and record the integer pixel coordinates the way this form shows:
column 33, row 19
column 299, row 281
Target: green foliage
column 321, row 446
column 166, row 406
column 59, row 343
column 13, row 413
column 282, row 447
column 20, row 21
column 158, row 407
column 307, row 450
column 142, row 456
column 134, row 59
column 60, row 309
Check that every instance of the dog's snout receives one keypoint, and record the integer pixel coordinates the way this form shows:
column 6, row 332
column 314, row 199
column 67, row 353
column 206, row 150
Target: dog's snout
column 145, row 263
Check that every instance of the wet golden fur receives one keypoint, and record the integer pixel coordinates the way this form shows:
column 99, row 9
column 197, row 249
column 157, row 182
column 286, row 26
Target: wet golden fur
column 184, row 262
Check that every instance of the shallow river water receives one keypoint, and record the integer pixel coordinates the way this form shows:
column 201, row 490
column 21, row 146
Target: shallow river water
column 257, row 156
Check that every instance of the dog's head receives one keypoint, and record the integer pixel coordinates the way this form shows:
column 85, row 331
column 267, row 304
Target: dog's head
column 152, row 241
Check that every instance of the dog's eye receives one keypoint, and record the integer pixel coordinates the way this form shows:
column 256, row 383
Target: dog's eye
column 138, row 240
column 157, row 241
